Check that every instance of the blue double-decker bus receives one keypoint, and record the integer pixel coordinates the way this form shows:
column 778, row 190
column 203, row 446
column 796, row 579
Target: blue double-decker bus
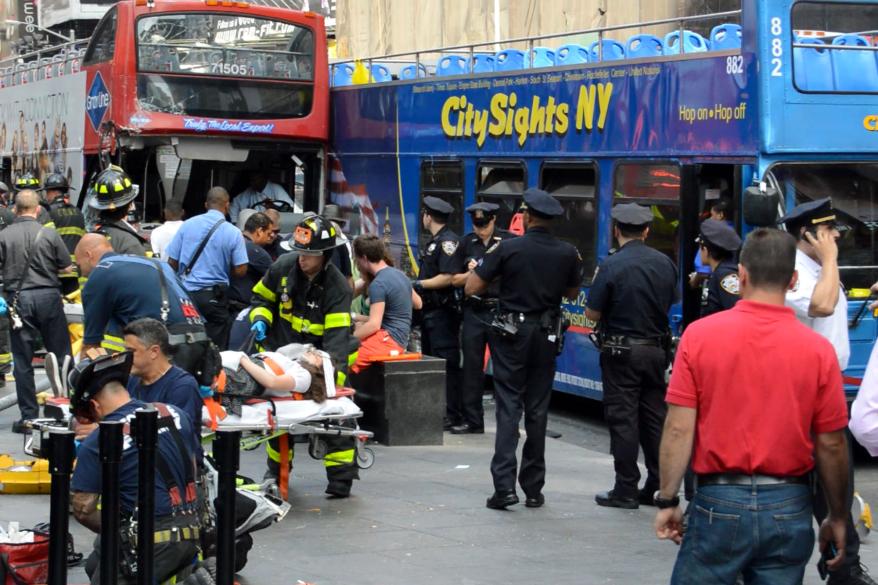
column 763, row 108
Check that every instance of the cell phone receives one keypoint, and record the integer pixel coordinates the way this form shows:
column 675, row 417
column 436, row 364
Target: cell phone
column 828, row 554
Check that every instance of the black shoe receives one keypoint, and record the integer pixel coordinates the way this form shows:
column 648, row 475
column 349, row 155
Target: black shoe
column 447, row 424
column 467, row 429
column 856, row 576
column 646, row 497
column 338, row 489
column 502, row 500
column 20, row 428
column 611, row 500
column 536, row 501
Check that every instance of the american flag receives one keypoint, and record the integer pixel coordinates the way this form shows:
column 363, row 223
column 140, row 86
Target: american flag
column 353, row 199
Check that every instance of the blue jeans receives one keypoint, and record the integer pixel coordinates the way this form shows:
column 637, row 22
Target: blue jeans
column 762, row 532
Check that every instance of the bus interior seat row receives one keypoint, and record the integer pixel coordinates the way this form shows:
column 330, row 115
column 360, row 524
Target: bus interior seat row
column 823, row 69
column 722, row 37
column 62, row 63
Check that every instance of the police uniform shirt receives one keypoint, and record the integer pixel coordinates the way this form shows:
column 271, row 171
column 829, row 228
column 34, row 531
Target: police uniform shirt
column 633, row 290
column 47, row 257
column 110, row 301
column 224, row 249
column 87, row 474
column 472, row 248
column 535, row 270
column 835, row 327
column 440, row 257
column 122, row 237
column 721, row 291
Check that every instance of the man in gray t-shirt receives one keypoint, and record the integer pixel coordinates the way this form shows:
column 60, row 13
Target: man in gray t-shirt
column 387, row 329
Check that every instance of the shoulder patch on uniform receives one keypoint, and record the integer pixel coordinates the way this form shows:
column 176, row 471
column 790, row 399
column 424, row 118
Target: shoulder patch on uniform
column 449, row 247
column 431, row 247
column 492, row 248
column 730, row 284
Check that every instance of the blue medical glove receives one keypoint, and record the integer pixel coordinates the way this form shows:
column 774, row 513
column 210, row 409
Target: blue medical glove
column 3, row 307
column 260, row 329
column 205, row 391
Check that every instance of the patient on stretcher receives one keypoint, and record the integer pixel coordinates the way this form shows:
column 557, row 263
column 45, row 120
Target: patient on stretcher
column 293, row 370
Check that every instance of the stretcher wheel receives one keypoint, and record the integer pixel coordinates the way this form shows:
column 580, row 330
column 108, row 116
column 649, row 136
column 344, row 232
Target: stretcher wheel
column 316, row 447
column 365, row 457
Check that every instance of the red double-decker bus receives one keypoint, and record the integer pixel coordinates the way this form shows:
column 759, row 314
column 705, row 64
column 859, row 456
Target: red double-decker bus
column 184, row 95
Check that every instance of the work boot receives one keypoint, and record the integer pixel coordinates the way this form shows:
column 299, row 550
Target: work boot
column 858, row 575
column 338, row 488
column 20, row 427
column 611, row 500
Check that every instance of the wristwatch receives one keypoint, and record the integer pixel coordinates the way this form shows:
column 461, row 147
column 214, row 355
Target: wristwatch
column 662, row 503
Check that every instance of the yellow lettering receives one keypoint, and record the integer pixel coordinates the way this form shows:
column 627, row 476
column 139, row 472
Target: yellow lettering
column 561, row 120
column 537, row 116
column 451, row 104
column 585, row 108
column 470, row 111
column 605, row 92
column 510, row 116
column 871, row 123
column 521, row 124
column 498, row 114
column 480, row 127
column 550, row 115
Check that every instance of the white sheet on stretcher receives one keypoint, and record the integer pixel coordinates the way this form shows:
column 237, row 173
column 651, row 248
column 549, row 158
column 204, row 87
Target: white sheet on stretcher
column 289, row 412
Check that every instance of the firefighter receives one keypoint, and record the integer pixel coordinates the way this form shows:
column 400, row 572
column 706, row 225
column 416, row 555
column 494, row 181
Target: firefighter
column 303, row 298
column 113, row 194
column 67, row 219
column 30, row 181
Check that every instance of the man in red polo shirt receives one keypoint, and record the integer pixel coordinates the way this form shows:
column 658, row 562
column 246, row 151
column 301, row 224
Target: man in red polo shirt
column 754, row 421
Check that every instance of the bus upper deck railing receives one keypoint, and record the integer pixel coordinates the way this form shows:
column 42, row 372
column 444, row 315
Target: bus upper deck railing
column 686, row 42
column 42, row 64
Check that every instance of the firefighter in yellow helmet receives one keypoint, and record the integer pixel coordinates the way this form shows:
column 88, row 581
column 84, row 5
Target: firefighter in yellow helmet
column 304, row 298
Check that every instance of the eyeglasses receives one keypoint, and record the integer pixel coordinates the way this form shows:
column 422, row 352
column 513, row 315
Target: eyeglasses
column 482, row 222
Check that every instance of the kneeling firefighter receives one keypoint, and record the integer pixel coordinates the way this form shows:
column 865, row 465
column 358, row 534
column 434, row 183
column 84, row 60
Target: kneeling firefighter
column 304, row 298
column 98, row 392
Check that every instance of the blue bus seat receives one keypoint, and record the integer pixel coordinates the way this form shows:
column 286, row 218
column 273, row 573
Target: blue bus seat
column 380, row 73
column 613, row 50
column 510, row 60
column 854, row 70
column 483, row 63
column 725, row 36
column 813, row 67
column 452, row 65
column 342, row 74
column 644, row 46
column 409, row 72
column 543, row 57
column 571, row 54
column 692, row 43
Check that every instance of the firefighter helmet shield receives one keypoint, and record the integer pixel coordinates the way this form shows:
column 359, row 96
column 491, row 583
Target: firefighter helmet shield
column 112, row 189
column 27, row 181
column 313, row 236
column 56, row 182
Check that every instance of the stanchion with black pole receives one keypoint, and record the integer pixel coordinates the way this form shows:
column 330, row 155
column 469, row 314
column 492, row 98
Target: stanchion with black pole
column 110, row 440
column 226, row 449
column 60, row 465
column 145, row 431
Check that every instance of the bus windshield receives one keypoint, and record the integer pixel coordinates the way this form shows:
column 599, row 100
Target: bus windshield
column 224, row 65
column 854, row 191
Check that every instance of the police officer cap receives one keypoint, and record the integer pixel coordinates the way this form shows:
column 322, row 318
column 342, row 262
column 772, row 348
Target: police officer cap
column 719, row 234
column 483, row 206
column 541, row 203
column 811, row 213
column 438, row 205
column 631, row 214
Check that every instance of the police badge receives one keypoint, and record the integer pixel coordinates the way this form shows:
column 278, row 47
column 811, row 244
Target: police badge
column 449, row 247
column 730, row 284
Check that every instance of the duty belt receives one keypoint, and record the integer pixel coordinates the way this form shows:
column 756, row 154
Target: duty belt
column 645, row 341
column 184, row 338
column 757, row 479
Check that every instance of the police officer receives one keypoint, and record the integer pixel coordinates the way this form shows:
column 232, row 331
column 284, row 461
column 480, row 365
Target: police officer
column 477, row 313
column 535, row 271
column 68, row 219
column 303, row 298
column 32, row 256
column 98, row 393
column 109, row 305
column 630, row 297
column 112, row 196
column 719, row 244
column 29, row 181
column 440, row 324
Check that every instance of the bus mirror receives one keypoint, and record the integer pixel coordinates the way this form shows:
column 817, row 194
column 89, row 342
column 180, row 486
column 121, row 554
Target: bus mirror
column 760, row 205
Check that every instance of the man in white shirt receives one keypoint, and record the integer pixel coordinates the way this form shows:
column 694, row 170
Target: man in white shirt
column 820, row 303
column 260, row 191
column 162, row 235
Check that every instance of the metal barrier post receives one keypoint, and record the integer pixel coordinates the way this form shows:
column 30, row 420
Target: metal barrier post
column 145, row 431
column 60, row 465
column 226, row 449
column 110, row 440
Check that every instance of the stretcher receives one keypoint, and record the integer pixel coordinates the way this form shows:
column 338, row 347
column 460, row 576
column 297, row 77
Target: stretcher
column 266, row 419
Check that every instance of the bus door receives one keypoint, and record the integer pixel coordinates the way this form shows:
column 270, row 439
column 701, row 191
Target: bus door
column 502, row 182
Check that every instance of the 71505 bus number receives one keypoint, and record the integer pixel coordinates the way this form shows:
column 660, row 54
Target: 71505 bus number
column 228, row 69
column 776, row 47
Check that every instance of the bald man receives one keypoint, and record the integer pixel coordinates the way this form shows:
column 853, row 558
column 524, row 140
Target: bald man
column 31, row 257
column 122, row 288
